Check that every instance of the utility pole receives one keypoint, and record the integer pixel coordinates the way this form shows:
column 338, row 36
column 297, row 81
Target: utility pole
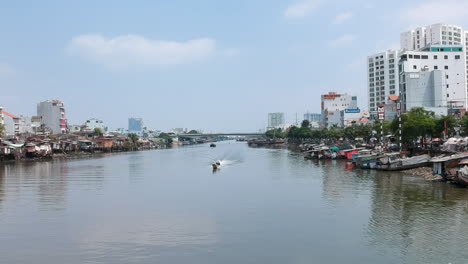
column 381, row 118
column 399, row 123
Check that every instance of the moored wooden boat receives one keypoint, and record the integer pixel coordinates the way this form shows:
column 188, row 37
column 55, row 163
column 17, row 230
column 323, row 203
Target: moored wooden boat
column 348, row 153
column 393, row 162
column 462, row 173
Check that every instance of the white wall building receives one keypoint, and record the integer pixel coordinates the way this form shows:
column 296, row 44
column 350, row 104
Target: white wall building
column 11, row 124
column 53, row 116
column 28, row 124
column 434, row 78
column 437, row 34
column 382, row 78
column 313, row 117
column 333, row 106
column 94, row 123
column 275, row 120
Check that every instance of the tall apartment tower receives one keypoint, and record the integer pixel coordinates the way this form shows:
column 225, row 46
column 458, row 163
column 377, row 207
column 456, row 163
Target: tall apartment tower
column 135, row 126
column 275, row 120
column 434, row 78
column 53, row 116
column 437, row 34
column 433, row 38
column 382, row 77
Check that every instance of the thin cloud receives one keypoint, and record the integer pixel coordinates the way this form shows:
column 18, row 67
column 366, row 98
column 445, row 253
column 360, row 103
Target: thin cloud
column 134, row 50
column 343, row 17
column 302, row 9
column 6, row 70
column 344, row 40
column 436, row 11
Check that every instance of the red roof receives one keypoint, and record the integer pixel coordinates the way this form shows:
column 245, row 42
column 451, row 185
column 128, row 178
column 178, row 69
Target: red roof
column 394, row 98
column 10, row 115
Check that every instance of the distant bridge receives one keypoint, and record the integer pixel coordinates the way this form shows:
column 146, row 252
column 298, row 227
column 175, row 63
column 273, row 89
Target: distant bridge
column 222, row 135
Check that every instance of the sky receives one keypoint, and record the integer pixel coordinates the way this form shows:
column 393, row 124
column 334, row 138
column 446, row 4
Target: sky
column 218, row 66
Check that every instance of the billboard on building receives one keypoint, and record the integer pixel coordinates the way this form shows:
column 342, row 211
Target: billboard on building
column 353, row 111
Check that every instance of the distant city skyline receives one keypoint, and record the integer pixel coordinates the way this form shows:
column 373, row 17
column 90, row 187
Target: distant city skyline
column 216, row 65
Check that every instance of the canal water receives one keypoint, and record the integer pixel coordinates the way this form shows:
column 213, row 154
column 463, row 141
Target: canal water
column 262, row 206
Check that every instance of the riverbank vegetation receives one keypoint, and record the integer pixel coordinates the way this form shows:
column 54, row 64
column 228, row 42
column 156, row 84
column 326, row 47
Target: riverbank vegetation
column 417, row 125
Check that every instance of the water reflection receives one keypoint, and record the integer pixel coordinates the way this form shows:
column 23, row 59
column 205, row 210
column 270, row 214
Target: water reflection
column 419, row 221
column 46, row 180
column 271, row 207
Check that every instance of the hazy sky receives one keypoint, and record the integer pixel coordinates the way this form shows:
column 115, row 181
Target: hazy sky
column 209, row 64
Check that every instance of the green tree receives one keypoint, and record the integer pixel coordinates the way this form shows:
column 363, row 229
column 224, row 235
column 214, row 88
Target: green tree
column 305, row 123
column 2, row 130
column 98, row 132
column 464, row 125
column 439, row 129
column 416, row 124
column 133, row 138
column 193, row 132
column 387, row 127
column 275, row 133
column 166, row 137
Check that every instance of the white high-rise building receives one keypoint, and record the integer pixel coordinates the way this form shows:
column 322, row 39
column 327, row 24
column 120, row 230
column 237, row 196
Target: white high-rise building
column 53, row 116
column 382, row 77
column 434, row 38
column 275, row 120
column 437, row 34
column 433, row 78
column 94, row 123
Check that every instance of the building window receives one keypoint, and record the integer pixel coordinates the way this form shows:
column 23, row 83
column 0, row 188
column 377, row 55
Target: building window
column 457, row 57
column 446, row 67
column 424, row 57
column 410, row 56
column 435, row 57
column 446, row 57
column 417, row 56
column 435, row 67
column 414, row 67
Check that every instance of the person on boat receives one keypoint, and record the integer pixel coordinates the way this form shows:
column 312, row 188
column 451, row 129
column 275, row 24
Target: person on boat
column 216, row 165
